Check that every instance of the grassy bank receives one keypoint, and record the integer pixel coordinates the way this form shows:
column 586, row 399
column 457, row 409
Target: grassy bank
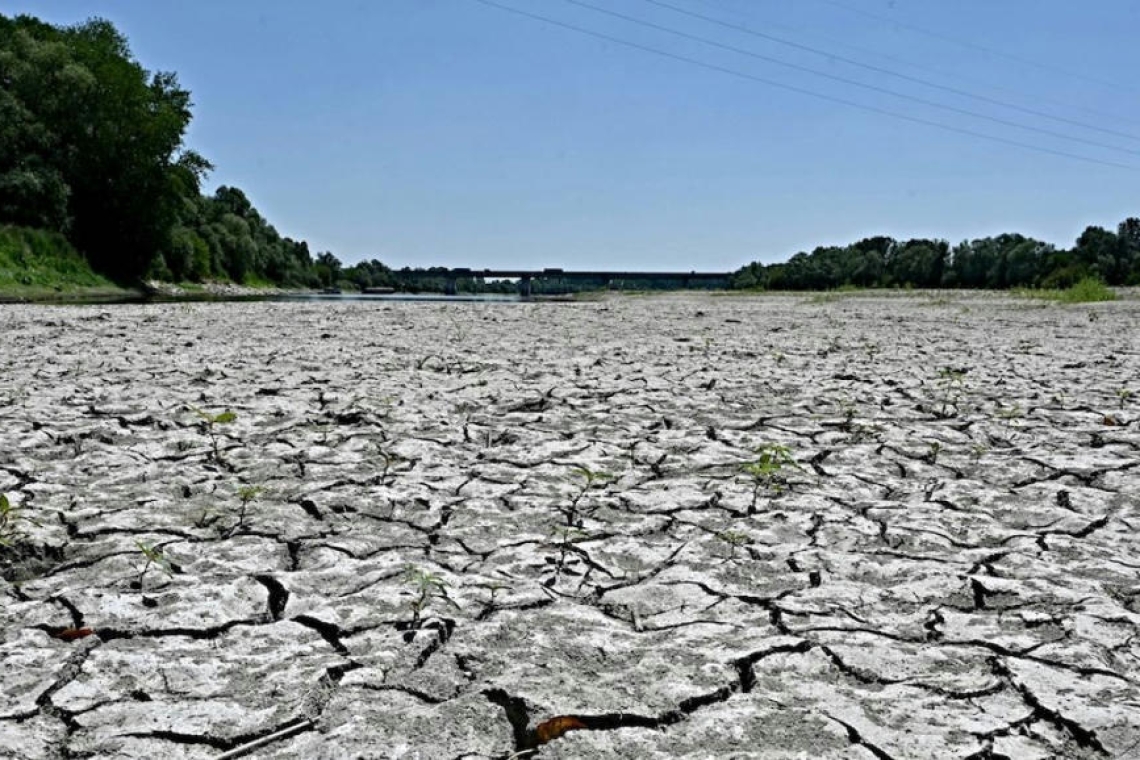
column 40, row 265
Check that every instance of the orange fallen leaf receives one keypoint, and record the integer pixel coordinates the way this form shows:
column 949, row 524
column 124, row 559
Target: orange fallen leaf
column 550, row 730
column 73, row 634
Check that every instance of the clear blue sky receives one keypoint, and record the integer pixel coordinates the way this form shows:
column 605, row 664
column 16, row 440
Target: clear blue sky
column 448, row 132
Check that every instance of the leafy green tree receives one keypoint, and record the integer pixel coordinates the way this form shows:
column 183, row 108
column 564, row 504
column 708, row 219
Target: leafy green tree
column 92, row 141
column 1096, row 251
column 1128, row 259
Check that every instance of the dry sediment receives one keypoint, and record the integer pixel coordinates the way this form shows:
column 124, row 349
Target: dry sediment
column 947, row 569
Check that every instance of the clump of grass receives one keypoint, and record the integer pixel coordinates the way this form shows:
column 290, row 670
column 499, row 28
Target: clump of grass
column 1088, row 290
column 32, row 260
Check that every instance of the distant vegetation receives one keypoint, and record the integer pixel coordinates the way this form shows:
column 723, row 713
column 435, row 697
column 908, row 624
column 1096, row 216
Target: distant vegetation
column 95, row 182
column 1088, row 290
column 1005, row 261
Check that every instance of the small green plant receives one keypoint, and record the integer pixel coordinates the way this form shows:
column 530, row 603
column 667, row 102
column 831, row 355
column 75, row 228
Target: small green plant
column 768, row 471
column 734, row 539
column 246, row 496
column 425, row 586
column 576, row 510
column 1124, row 395
column 933, row 449
column 950, row 382
column 211, row 422
column 12, row 521
column 154, row 557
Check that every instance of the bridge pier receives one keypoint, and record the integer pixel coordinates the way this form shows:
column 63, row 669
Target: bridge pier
column 524, row 287
column 452, row 287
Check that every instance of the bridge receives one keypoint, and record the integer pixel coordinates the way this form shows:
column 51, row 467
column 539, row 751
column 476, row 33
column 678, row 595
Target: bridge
column 526, row 277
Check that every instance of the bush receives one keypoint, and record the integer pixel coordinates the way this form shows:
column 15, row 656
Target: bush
column 1087, row 290
column 32, row 258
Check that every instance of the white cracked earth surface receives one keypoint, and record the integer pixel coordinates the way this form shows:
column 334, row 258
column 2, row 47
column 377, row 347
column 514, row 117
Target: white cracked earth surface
column 940, row 562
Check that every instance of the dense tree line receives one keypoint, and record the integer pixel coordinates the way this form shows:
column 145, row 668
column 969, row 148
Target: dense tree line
column 91, row 147
column 1004, row 261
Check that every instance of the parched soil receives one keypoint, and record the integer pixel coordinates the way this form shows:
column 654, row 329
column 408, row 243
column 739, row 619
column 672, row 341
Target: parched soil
column 876, row 526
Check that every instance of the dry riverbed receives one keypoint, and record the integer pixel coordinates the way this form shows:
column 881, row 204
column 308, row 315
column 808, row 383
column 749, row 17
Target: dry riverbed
column 875, row 526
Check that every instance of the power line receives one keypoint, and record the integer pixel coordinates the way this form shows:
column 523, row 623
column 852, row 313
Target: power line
column 720, row 6
column 980, row 48
column 854, row 82
column 881, row 70
column 802, row 90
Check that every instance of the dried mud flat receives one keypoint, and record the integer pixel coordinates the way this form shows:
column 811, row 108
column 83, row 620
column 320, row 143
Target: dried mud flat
column 948, row 569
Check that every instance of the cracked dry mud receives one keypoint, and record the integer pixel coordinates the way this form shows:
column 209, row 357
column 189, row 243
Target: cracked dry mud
column 948, row 570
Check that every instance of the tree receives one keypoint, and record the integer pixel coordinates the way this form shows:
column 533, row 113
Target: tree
column 1096, row 251
column 92, row 142
column 1128, row 237
column 328, row 269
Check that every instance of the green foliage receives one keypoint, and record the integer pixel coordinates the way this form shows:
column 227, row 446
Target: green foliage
column 224, row 237
column 576, row 509
column 768, row 471
column 949, row 390
column 734, row 539
column 768, row 466
column 1087, row 290
column 91, row 148
column 592, row 478
column 1004, row 261
column 92, row 143
column 12, row 521
column 40, row 259
column 425, row 587
column 211, row 423
column 154, row 557
column 246, row 494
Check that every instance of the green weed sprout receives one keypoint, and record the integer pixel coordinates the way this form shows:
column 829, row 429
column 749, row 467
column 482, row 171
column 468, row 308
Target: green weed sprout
column 949, row 392
column 154, row 557
column 425, row 586
column 246, row 495
column 767, row 470
column 12, row 519
column 734, row 539
column 1124, row 394
column 211, row 423
column 590, row 479
column 933, row 449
